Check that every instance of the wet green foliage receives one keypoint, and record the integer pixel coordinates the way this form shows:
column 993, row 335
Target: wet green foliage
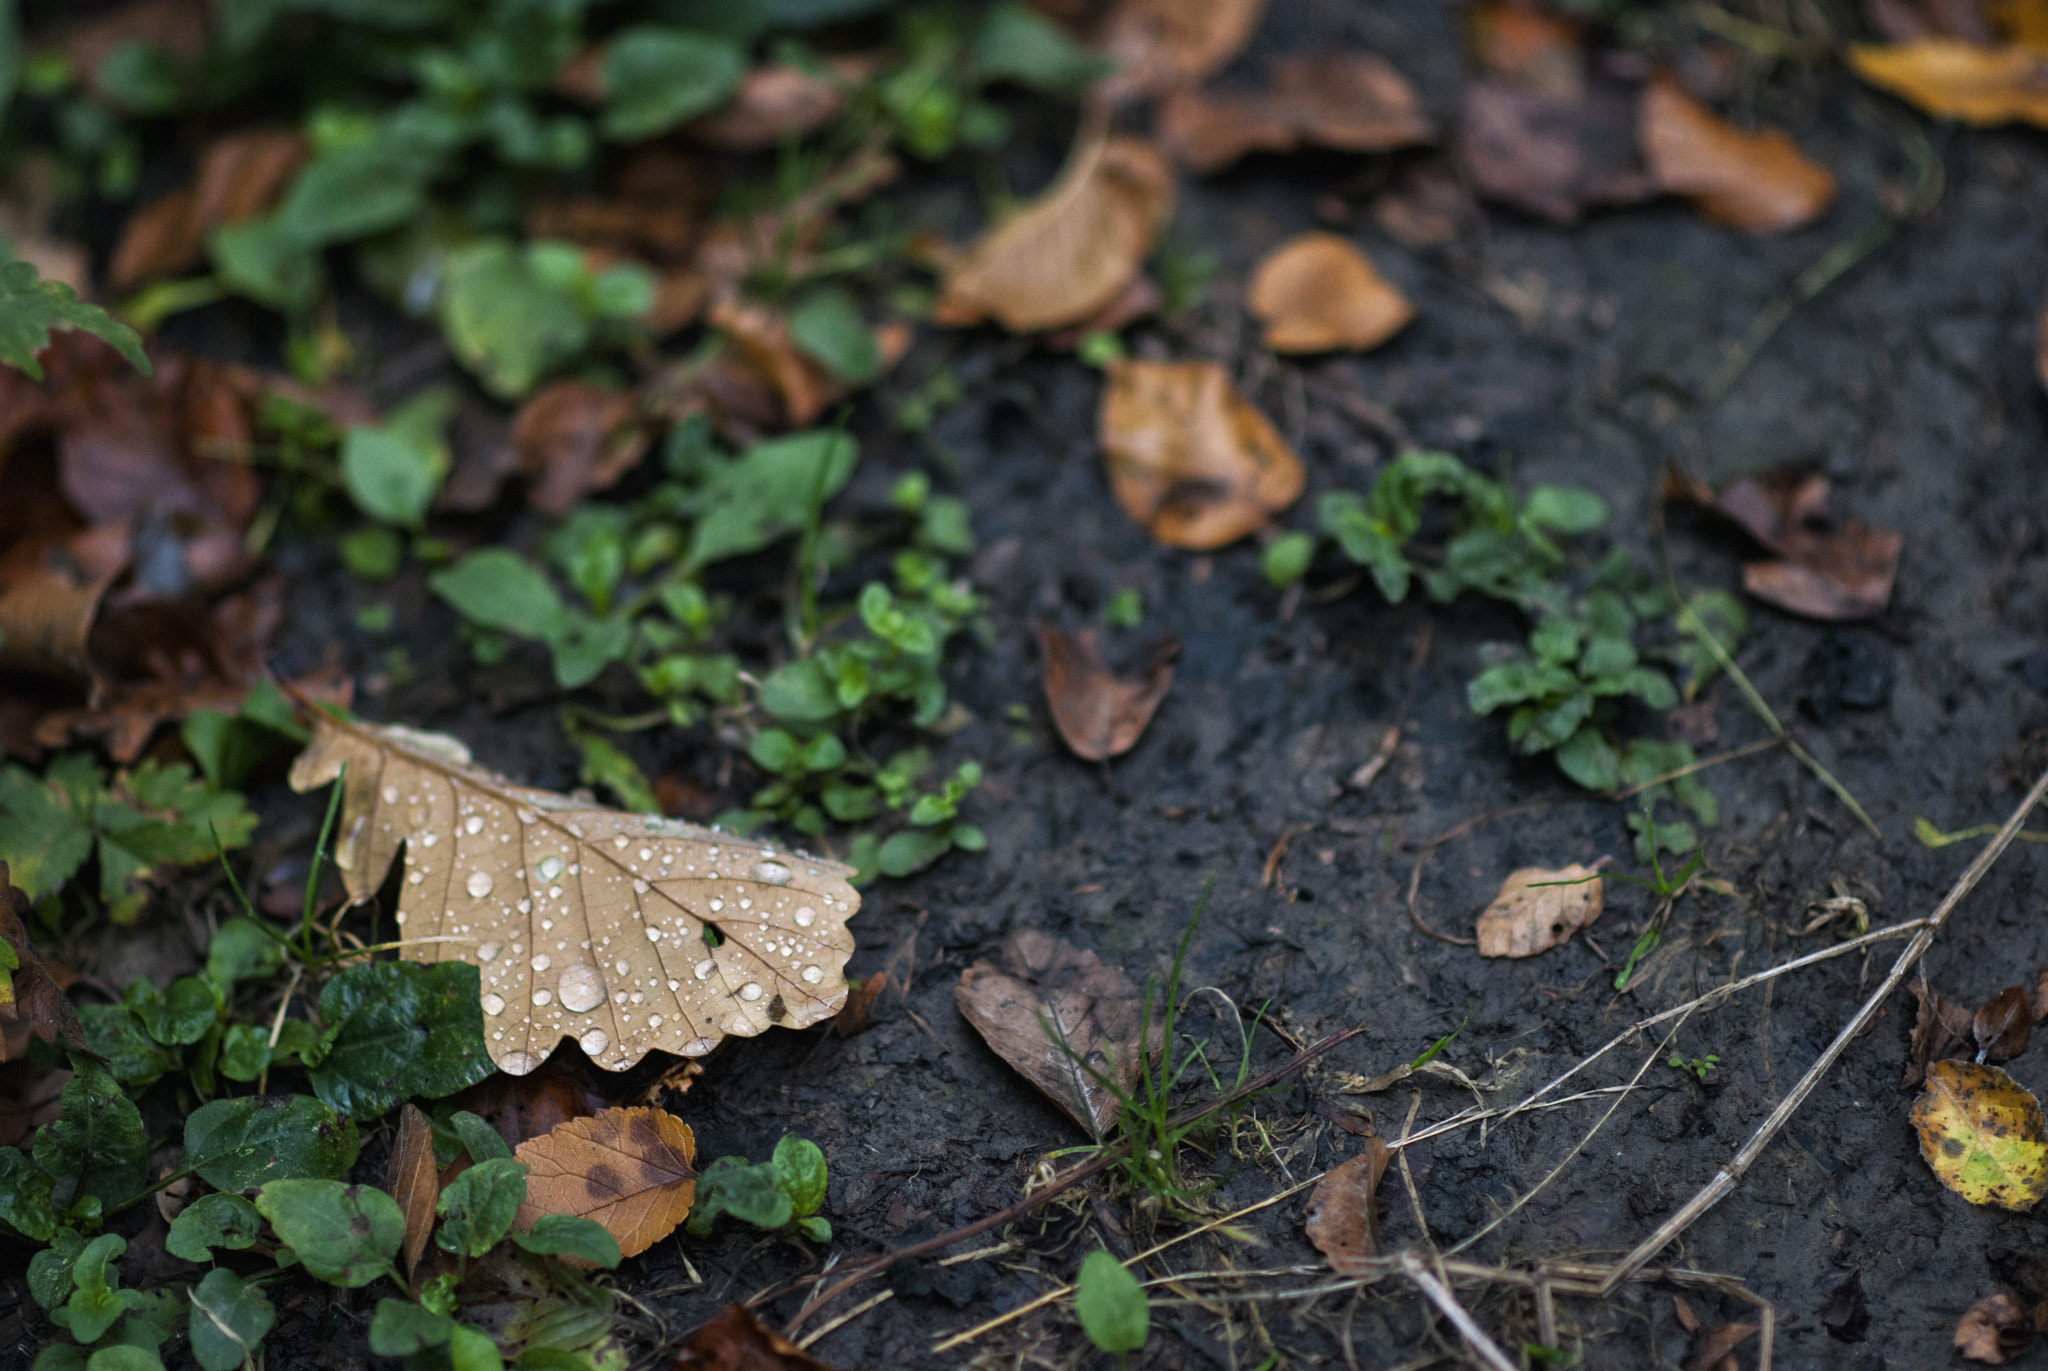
column 30, row 307
column 781, row 1194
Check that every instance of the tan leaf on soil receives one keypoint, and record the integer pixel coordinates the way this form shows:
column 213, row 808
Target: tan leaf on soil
column 1682, row 1311
column 1162, row 45
column 737, row 1341
column 2002, row 1024
column 1717, row 1349
column 1317, row 291
column 1057, row 1014
column 1982, row 1133
column 1533, row 914
column 1998, row 1327
column 572, row 438
column 1426, row 208
column 567, row 909
column 1069, row 253
column 1189, row 457
column 412, row 1179
column 1343, row 1211
column 1099, row 715
column 29, row 994
column 46, row 618
column 1353, row 102
column 632, row 1170
column 239, row 177
column 1955, row 80
column 806, row 388
column 1754, row 181
column 1829, row 571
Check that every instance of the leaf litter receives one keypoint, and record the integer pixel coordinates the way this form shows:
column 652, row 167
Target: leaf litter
column 1100, row 715
column 1343, row 1220
column 1318, row 292
column 1998, row 1328
column 632, row 1170
column 1350, row 102
column 1982, row 1133
column 1537, row 908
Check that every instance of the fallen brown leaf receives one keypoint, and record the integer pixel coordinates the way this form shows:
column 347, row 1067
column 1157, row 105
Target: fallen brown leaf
column 178, row 27
column 775, row 103
column 29, row 994
column 574, row 437
column 1317, row 291
column 1940, row 1029
column 530, row 1106
column 1070, row 252
column 1682, row 1311
column 1352, row 102
column 1554, row 156
column 1997, row 1327
column 1957, row 80
column 805, row 388
column 239, row 177
column 1062, row 1017
column 1189, row 457
column 632, row 1170
column 1758, row 182
column 2002, row 1024
column 1343, row 1211
column 566, row 907
column 1427, row 208
column 1828, row 571
column 853, row 1016
column 1099, row 715
column 1533, row 914
column 1845, row 1313
column 1717, row 1349
column 1162, row 45
column 737, row 1341
column 46, row 619
column 1528, row 48
column 411, row 1178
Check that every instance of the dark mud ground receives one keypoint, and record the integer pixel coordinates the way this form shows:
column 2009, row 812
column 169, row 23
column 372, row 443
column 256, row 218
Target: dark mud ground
column 1909, row 384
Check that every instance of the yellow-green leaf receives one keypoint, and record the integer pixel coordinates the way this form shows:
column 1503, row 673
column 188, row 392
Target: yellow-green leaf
column 1983, row 1134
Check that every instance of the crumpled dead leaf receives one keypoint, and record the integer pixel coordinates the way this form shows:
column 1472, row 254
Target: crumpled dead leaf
column 530, row 1106
column 853, row 1016
column 737, row 1341
column 2002, row 1024
column 1343, row 1220
column 1758, row 182
column 776, row 102
column 1528, row 48
column 805, row 388
column 1717, row 1348
column 1532, row 913
column 1941, row 1028
column 1998, row 1327
column 411, row 1178
column 565, row 907
column 1427, row 207
column 1553, row 156
column 1061, row 1016
column 1098, row 714
column 1828, row 571
column 239, row 177
column 29, row 994
column 632, row 1170
column 1317, row 291
column 1068, row 253
column 1957, row 80
column 1163, row 45
column 1982, row 1133
column 1352, row 102
column 574, row 437
column 1189, row 457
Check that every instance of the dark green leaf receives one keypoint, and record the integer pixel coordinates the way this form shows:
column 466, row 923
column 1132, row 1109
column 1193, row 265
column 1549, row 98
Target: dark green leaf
column 245, row 1051
column 567, row 1235
column 507, row 321
column 827, row 325
column 499, row 589
column 1017, row 44
column 260, row 259
column 98, row 1140
column 398, row 1029
column 229, row 1318
column 343, row 1234
column 95, row 1304
column 240, row 1143
column 478, row 1206
column 347, row 193
column 30, row 307
column 750, row 1192
column 49, row 1271
column 241, row 951
column 1111, row 1304
column 584, row 646
column 1589, row 760
column 479, row 1139
column 655, row 78
column 766, row 492
column 45, row 835
column 1514, row 682
column 25, row 1196
column 400, row 1328
column 912, row 849
column 800, row 692
column 213, row 1221
column 178, row 1016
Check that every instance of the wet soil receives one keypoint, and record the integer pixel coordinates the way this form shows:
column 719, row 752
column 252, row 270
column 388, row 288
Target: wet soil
column 1562, row 355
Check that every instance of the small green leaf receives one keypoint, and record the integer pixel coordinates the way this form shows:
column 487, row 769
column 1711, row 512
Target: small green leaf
column 1111, row 1304
column 241, row 951
column 568, row 1235
column 262, row 260
column 245, row 1051
column 95, row 1304
column 766, row 492
column 499, row 589
column 800, row 1165
column 30, row 307
column 347, row 193
column 584, row 646
column 49, row 1271
column 25, row 1196
column 398, row 1029
column 800, row 692
column 1564, row 509
column 241, row 1143
column 483, row 1142
column 178, row 1016
column 826, row 324
column 343, row 1234
column 394, row 469
column 1590, row 761
column 213, row 1221
column 98, row 1139
column 124, row 1358
column 1017, row 44
column 746, row 1190
column 655, row 78
column 478, row 1206
column 133, row 1057
column 506, row 320
column 229, row 1318
column 401, row 1328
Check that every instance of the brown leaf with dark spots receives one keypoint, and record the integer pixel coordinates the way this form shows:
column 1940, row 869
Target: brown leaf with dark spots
column 29, row 994
column 1549, row 155
column 1061, row 1016
column 1717, row 1349
column 412, row 1180
column 1355, row 1122
column 1353, row 102
column 1996, row 1328
column 1537, row 908
column 1317, row 291
column 1098, row 714
column 1189, row 457
column 1164, row 45
column 737, row 1341
column 1828, row 571
column 572, row 438
column 1758, row 182
column 1940, row 1029
column 239, row 177
column 631, row 1170
column 2002, row 1024
column 1343, row 1212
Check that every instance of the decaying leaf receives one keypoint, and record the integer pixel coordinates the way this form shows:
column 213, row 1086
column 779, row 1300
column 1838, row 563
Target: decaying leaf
column 1754, row 181
column 574, row 437
column 1353, row 102
column 1554, row 156
column 1068, row 254
column 1828, row 571
column 1716, row 1351
column 1983, row 1134
column 1957, row 80
column 1162, row 45
column 239, row 176
column 1343, row 1212
column 1528, row 47
column 2002, row 1024
column 1099, row 715
column 776, row 102
column 29, row 994
column 1533, row 913
column 46, row 619
column 632, row 1170
column 853, row 1016
column 1845, row 1313
column 737, row 1341
column 1426, row 208
column 764, row 344
column 1940, row 1029
column 411, row 1178
column 1998, row 1327
column 1189, row 457
column 624, row 931
column 530, row 1106
column 1062, row 1017
column 1317, row 291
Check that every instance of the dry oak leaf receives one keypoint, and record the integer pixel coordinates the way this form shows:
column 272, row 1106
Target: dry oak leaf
column 1162, row 45
column 1982, row 1132
column 239, row 177
column 1758, row 182
column 1343, row 1212
column 1353, row 102
column 412, row 1179
column 1189, row 457
column 1070, row 252
column 1998, row 1327
column 572, row 438
column 1317, row 291
column 583, row 922
column 632, row 1170
column 1062, row 1017
column 1099, row 715
column 1534, row 912
column 1956, row 80
column 737, row 1341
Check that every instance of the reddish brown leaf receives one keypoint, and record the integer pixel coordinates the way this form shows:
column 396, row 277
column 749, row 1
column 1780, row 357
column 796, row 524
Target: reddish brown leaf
column 629, row 1169
column 1829, row 571
column 530, row 1106
column 1099, row 715
column 853, row 1015
column 1062, row 1017
column 1717, row 1349
column 1682, row 1311
column 1940, row 1030
column 1317, row 291
column 411, row 1179
column 1553, row 156
column 2002, row 1024
column 29, row 994
column 1426, row 208
column 806, row 388
column 239, row 177
column 1527, row 48
column 1164, row 45
column 572, row 438
column 1994, row 1329
column 1354, row 102
column 1754, row 181
column 737, row 1341
column 179, row 27
column 1343, row 1212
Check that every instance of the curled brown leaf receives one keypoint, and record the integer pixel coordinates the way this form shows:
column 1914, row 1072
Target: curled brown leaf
column 1758, row 182
column 1343, row 1212
column 29, row 994
column 574, row 437
column 239, row 176
column 1162, row 45
column 2002, row 1024
column 412, row 1179
column 1353, row 102
column 737, row 1341
column 1828, row 570
column 1997, row 1328
column 1099, row 715
column 1554, row 156
column 1317, row 291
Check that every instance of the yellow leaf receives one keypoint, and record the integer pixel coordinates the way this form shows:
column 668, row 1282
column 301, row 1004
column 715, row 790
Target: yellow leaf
column 1961, row 80
column 1982, row 1132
